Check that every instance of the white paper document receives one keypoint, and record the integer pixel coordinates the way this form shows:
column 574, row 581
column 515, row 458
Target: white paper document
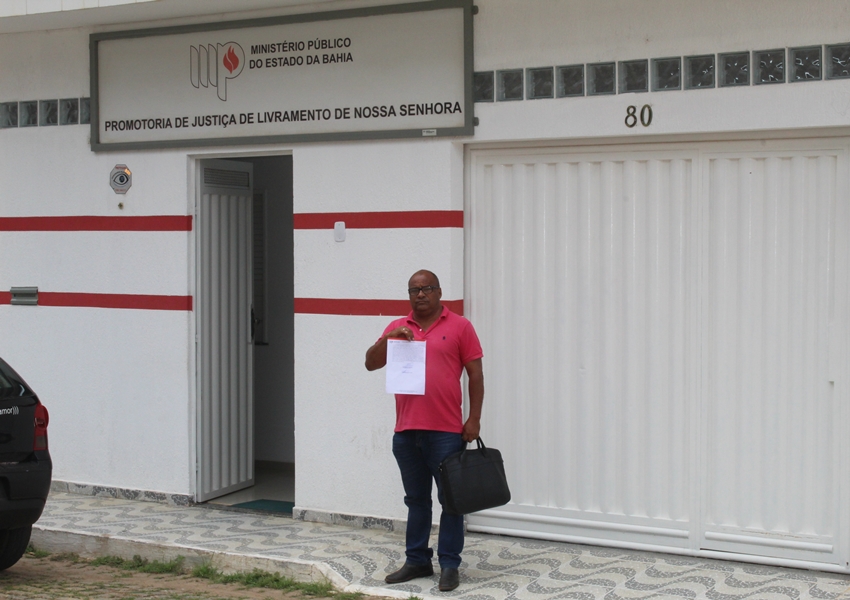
column 405, row 367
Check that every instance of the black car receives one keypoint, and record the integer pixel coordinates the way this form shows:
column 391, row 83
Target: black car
column 25, row 465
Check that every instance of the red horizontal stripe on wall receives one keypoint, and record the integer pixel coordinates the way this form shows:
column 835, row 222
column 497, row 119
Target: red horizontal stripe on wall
column 381, row 220
column 338, row 306
column 141, row 301
column 92, row 223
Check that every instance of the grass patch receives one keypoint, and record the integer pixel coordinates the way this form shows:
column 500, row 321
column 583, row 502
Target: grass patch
column 205, row 571
column 35, row 553
column 348, row 596
column 142, row 565
column 275, row 581
column 254, row 579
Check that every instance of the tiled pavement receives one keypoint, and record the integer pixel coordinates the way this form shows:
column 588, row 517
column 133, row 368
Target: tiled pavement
column 494, row 567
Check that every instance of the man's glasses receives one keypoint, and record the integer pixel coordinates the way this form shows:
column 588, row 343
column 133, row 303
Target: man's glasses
column 427, row 289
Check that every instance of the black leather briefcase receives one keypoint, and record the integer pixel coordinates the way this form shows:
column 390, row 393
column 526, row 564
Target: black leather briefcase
column 474, row 480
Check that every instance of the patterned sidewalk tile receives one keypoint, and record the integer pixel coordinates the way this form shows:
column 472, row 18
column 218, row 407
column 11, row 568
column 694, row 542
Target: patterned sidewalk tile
column 494, row 567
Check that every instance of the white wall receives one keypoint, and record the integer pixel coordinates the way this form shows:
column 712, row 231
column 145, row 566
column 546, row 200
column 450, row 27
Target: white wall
column 377, row 176
column 137, row 414
column 545, row 32
column 31, row 7
column 116, row 382
column 344, row 418
column 115, row 385
column 519, row 34
column 44, row 64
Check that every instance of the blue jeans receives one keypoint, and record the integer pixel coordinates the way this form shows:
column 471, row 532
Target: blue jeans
column 419, row 454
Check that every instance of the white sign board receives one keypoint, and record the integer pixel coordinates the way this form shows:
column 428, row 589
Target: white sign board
column 393, row 71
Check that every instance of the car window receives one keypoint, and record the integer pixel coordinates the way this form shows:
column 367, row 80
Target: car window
column 5, row 382
column 10, row 385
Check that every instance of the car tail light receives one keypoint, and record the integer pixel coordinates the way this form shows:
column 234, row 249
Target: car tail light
column 41, row 420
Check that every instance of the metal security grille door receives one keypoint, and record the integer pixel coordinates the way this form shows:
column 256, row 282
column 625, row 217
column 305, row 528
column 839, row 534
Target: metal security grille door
column 658, row 326
column 771, row 418
column 225, row 420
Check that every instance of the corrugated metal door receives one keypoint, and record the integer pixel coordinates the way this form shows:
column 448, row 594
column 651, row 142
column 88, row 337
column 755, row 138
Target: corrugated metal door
column 582, row 279
column 771, row 418
column 225, row 419
column 655, row 323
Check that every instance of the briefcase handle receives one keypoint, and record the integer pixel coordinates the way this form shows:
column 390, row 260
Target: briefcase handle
column 481, row 445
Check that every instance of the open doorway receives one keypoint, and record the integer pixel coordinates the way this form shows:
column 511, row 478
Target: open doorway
column 271, row 455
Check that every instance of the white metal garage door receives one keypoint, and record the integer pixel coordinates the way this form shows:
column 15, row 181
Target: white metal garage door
column 656, row 326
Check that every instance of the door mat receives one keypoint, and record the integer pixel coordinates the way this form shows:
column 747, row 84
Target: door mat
column 275, row 506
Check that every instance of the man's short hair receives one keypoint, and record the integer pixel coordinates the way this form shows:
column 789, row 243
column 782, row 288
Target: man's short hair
column 431, row 273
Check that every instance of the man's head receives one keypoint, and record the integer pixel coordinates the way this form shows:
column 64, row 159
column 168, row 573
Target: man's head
column 425, row 293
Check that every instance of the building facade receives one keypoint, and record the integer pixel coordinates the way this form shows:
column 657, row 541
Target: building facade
column 647, row 221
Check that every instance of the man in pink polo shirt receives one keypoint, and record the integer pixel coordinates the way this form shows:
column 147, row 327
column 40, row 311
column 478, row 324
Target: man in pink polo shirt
column 430, row 427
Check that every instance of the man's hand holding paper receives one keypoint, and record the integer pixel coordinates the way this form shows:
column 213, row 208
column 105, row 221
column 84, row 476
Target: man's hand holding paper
column 405, row 367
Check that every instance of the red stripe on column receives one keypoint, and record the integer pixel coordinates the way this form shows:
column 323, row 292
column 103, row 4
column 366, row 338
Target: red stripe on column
column 381, row 220
column 340, row 306
column 140, row 301
column 92, row 223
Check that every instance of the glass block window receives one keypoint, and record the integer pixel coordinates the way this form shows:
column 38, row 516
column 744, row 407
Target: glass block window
column 510, row 84
column 769, row 66
column 541, row 83
column 28, row 113
column 735, row 69
column 806, row 64
column 601, row 79
column 8, row 115
column 85, row 114
column 634, row 76
column 482, row 86
column 699, row 72
column 69, row 111
column 570, row 81
column 838, row 61
column 48, row 112
column 666, row 74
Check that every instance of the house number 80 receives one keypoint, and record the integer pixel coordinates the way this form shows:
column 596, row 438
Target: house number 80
column 645, row 116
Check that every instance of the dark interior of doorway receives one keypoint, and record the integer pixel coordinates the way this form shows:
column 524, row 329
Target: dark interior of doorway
column 274, row 373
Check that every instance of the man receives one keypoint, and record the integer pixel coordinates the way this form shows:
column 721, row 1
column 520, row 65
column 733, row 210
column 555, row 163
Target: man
column 430, row 427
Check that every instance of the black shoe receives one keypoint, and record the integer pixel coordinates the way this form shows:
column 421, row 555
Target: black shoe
column 449, row 579
column 408, row 572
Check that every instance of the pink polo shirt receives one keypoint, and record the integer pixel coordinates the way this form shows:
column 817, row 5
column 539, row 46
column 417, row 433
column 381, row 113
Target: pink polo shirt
column 451, row 343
